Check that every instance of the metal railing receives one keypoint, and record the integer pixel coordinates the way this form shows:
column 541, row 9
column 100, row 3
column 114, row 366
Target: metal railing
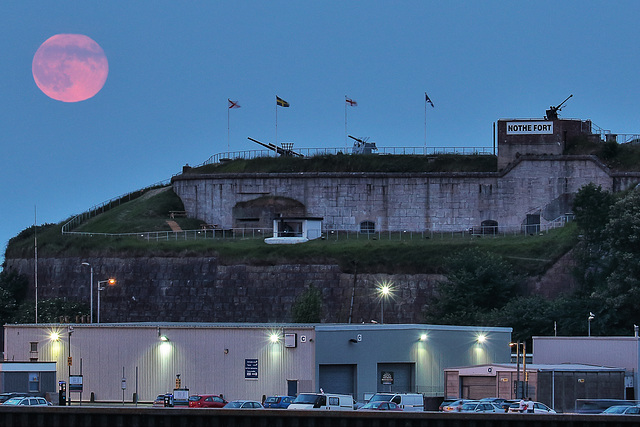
column 620, row 138
column 109, row 204
column 329, row 234
column 310, row 152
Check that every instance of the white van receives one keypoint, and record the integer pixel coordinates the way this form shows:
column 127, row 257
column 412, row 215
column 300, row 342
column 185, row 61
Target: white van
column 323, row 401
column 407, row 401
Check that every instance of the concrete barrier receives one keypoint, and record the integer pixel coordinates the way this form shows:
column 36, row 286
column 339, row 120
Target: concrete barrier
column 174, row 417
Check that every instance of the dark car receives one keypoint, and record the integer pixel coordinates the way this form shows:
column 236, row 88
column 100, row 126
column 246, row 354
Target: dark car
column 206, row 401
column 380, row 406
column 278, row 402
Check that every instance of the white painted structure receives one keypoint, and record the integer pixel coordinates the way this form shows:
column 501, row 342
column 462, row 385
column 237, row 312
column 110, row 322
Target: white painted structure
column 295, row 230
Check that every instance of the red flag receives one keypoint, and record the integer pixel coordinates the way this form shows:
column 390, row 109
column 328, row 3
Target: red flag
column 351, row 102
column 233, row 104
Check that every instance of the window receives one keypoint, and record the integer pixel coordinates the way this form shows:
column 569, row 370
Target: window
column 34, row 382
column 367, row 227
column 334, row 401
column 33, row 346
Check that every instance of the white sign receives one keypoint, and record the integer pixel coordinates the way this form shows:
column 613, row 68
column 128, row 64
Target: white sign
column 529, row 128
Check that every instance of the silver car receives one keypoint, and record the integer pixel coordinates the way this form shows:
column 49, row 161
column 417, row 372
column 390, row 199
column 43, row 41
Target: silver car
column 480, row 407
column 27, row 401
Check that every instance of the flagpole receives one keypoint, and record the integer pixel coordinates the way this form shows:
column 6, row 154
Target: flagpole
column 345, row 124
column 35, row 244
column 276, row 121
column 425, row 123
column 228, row 127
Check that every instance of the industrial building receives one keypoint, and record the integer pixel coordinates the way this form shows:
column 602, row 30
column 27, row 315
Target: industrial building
column 111, row 362
column 623, row 352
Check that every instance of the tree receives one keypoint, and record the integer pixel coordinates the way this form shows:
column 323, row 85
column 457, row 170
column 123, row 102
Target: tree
column 477, row 282
column 308, row 306
column 50, row 311
column 13, row 291
column 591, row 208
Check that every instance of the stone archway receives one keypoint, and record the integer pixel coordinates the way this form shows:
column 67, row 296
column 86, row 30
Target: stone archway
column 260, row 212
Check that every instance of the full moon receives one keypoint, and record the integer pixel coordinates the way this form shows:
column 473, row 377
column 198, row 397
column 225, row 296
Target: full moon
column 70, row 67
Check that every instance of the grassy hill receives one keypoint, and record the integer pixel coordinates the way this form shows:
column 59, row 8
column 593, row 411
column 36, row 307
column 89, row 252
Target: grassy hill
column 529, row 254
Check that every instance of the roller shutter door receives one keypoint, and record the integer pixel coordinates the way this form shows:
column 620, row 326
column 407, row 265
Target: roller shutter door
column 478, row 387
column 338, row 379
column 402, row 374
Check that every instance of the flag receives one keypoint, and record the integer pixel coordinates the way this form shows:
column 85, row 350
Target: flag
column 281, row 102
column 426, row 98
column 233, row 104
column 351, row 102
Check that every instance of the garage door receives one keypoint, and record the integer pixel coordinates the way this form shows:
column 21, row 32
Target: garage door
column 478, row 387
column 338, row 379
column 396, row 377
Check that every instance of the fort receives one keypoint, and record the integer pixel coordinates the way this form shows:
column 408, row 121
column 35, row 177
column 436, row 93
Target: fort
column 532, row 189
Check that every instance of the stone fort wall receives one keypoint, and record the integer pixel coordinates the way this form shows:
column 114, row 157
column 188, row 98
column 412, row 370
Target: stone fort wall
column 538, row 185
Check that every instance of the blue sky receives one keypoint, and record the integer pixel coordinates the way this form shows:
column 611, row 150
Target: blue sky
column 172, row 66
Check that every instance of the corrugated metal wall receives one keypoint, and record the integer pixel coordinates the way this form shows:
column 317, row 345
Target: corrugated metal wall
column 208, row 359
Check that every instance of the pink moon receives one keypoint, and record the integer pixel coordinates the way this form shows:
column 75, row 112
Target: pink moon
column 70, row 67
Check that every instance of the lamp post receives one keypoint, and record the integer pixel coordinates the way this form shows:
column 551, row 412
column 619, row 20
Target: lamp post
column 520, row 391
column 90, row 287
column 69, row 363
column 589, row 319
column 101, row 288
column 384, row 290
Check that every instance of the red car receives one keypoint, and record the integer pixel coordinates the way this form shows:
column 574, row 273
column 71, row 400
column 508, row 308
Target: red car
column 206, row 401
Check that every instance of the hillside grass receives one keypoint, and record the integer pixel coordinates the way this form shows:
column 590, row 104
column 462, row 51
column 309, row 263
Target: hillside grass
column 530, row 255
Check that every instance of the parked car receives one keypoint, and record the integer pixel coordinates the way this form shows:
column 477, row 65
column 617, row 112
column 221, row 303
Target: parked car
column 27, row 401
column 453, row 405
column 538, row 408
column 480, row 407
column 6, row 396
column 159, row 400
column 497, row 400
column 322, row 401
column 622, row 410
column 406, row 401
column 206, row 401
column 380, row 406
column 278, row 402
column 243, row 404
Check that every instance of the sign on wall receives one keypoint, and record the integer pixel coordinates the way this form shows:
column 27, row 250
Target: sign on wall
column 250, row 369
column 386, row 377
column 529, row 128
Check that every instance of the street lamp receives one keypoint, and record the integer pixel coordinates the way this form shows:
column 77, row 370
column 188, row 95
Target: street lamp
column 384, row 291
column 520, row 391
column 589, row 319
column 111, row 282
column 90, row 287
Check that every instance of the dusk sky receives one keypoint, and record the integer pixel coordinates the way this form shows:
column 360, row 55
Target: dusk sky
column 173, row 65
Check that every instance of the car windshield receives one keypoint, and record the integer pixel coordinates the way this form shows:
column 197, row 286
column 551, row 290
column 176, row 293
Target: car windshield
column 371, row 405
column 469, row 407
column 272, row 400
column 306, row 398
column 193, row 398
column 616, row 410
column 235, row 404
column 13, row 401
column 381, row 398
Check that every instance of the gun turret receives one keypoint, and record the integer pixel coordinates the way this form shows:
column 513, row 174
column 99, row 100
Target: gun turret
column 552, row 112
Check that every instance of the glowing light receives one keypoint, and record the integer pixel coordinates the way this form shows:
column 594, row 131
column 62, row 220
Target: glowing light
column 54, row 336
column 423, row 337
column 274, row 338
column 112, row 281
column 165, row 349
column 164, row 338
column 481, row 338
